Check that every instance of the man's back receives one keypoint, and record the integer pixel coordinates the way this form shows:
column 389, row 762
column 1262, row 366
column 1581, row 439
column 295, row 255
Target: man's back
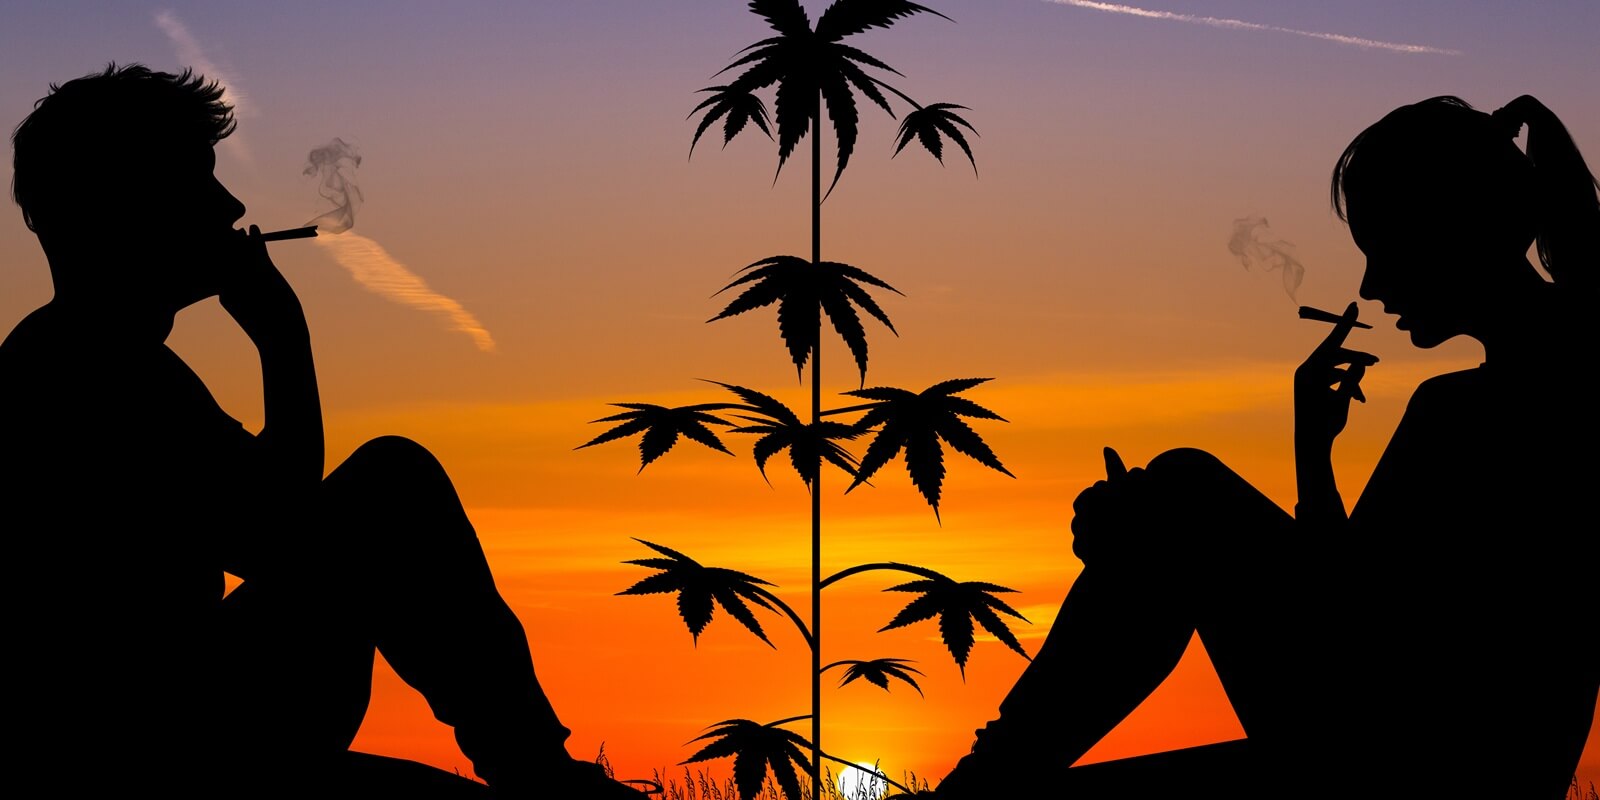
column 117, row 474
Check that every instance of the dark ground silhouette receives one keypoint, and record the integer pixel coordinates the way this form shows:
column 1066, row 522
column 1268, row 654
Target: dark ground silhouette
column 127, row 492
column 1449, row 624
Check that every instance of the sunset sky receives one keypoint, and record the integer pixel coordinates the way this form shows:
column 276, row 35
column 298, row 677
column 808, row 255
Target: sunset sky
column 526, row 163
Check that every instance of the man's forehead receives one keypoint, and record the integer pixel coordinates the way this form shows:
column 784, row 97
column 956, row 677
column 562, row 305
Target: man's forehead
column 173, row 157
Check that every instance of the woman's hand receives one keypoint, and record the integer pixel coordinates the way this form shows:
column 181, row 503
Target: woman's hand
column 1104, row 515
column 1325, row 384
column 1323, row 387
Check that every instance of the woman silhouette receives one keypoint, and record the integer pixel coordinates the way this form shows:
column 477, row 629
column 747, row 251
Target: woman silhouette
column 1448, row 625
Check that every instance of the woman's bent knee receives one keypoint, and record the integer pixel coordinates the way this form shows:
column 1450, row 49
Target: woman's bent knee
column 1183, row 510
column 1181, row 461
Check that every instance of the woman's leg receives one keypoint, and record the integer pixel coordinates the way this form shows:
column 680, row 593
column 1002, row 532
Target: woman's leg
column 1198, row 548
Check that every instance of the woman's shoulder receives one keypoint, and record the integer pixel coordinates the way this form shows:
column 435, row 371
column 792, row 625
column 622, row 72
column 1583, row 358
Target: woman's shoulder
column 1449, row 387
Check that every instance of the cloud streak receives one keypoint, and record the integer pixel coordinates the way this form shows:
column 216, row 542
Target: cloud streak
column 382, row 274
column 192, row 55
column 1242, row 25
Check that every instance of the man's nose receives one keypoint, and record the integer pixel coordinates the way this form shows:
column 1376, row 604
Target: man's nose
column 231, row 206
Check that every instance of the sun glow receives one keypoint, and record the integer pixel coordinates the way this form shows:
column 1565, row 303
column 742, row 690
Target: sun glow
column 861, row 782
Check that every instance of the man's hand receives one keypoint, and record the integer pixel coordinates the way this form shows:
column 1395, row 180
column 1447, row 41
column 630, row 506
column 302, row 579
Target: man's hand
column 258, row 297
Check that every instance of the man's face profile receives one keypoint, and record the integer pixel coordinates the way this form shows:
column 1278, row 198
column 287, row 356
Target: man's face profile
column 167, row 225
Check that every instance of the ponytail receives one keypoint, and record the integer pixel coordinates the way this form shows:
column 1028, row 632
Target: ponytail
column 1568, row 210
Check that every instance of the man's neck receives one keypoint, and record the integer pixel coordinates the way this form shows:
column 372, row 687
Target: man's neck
column 110, row 319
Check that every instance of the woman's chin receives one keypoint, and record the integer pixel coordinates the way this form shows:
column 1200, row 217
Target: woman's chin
column 1428, row 339
column 1423, row 335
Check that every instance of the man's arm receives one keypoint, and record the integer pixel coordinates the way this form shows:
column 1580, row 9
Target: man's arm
column 266, row 308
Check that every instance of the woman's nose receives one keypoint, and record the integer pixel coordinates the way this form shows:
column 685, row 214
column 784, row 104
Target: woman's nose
column 1371, row 285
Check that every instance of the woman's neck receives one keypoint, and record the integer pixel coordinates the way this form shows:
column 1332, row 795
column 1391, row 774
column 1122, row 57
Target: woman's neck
column 1530, row 324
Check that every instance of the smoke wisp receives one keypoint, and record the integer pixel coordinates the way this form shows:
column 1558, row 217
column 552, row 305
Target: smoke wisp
column 1254, row 244
column 334, row 165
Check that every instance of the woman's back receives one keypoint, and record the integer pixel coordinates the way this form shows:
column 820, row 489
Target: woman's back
column 1471, row 572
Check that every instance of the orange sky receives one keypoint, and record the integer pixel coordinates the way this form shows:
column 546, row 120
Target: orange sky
column 530, row 165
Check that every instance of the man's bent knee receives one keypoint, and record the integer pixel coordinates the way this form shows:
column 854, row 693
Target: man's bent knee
column 395, row 454
column 395, row 489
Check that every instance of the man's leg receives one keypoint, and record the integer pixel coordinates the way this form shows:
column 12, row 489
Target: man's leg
column 434, row 611
column 397, row 565
column 1208, row 559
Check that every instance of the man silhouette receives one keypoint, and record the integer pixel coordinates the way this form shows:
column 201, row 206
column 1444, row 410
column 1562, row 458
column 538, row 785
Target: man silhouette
column 127, row 492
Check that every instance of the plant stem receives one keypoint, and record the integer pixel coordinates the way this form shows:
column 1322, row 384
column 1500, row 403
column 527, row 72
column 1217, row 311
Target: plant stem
column 903, row 95
column 816, row 478
column 850, row 410
column 793, row 617
column 890, row 565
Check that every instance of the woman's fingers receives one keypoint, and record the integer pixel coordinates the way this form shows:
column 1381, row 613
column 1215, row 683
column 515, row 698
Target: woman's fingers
column 1341, row 329
column 1350, row 383
column 1328, row 371
column 1355, row 357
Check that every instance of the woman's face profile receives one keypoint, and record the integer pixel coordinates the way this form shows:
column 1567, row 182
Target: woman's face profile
column 1420, row 266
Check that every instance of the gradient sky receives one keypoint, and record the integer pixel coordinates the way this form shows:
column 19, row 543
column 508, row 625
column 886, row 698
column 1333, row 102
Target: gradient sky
column 528, row 161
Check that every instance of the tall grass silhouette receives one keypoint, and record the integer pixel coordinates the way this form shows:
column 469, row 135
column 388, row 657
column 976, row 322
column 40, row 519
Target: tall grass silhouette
column 815, row 75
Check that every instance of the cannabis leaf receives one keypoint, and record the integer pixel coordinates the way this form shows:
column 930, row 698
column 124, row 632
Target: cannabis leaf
column 809, row 444
column 804, row 290
column 740, row 107
column 661, row 427
column 957, row 605
column 877, row 671
column 756, row 748
column 806, row 65
column 701, row 588
column 927, row 123
column 917, row 423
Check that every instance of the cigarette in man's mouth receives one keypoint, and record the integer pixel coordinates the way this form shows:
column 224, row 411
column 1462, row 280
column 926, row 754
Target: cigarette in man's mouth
column 1313, row 313
column 292, row 233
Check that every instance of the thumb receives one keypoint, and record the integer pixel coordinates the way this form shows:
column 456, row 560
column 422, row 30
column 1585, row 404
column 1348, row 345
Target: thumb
column 1114, row 466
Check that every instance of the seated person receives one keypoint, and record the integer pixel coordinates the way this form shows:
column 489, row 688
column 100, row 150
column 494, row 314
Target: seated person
column 128, row 492
column 1448, row 630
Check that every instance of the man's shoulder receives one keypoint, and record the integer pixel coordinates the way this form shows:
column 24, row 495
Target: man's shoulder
column 24, row 350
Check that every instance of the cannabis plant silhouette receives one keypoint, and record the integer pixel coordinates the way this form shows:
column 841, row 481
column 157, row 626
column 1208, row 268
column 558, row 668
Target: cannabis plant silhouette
column 812, row 71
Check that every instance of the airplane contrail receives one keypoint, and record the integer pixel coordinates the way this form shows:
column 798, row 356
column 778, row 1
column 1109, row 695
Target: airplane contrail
column 382, row 274
column 1242, row 25
column 192, row 55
